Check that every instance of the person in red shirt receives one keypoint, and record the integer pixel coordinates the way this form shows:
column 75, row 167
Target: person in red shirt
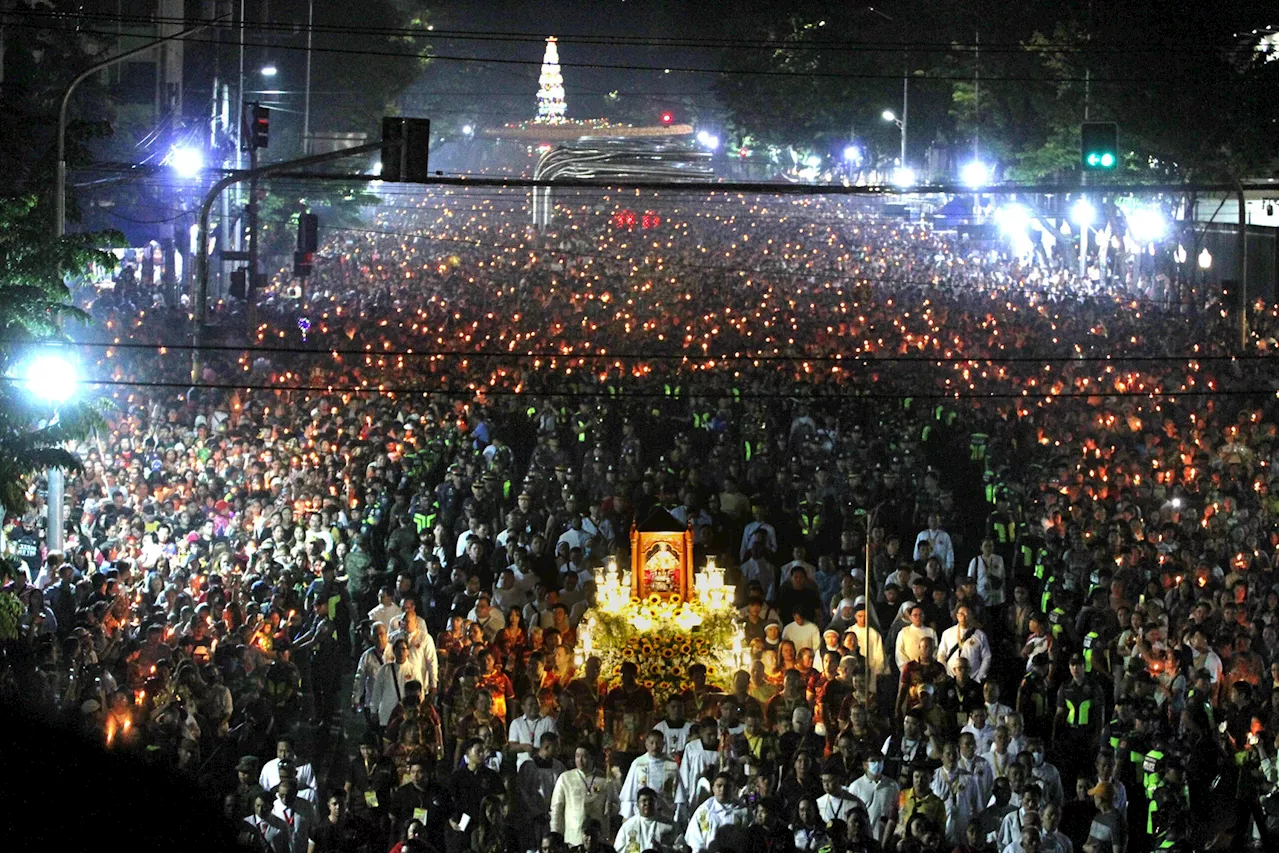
column 497, row 683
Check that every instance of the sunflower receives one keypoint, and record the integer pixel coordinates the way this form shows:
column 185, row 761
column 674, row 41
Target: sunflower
column 667, row 653
column 685, row 648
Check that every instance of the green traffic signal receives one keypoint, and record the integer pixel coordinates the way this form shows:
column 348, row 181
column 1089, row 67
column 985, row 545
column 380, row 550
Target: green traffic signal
column 1098, row 145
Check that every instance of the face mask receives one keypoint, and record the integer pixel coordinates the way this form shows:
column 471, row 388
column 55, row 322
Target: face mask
column 875, row 767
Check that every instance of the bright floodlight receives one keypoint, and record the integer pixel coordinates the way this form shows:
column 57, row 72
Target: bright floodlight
column 269, row 71
column 813, row 161
column 904, row 176
column 1013, row 219
column 1082, row 213
column 186, row 161
column 888, row 115
column 851, row 153
column 51, row 377
column 708, row 140
column 1146, row 225
column 975, row 174
column 1204, row 259
column 468, row 129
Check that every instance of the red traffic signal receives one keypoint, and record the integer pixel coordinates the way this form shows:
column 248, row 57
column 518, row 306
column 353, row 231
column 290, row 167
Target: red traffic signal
column 667, row 117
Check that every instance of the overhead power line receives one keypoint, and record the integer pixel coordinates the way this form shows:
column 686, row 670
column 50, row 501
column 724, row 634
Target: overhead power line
column 822, row 43
column 664, row 69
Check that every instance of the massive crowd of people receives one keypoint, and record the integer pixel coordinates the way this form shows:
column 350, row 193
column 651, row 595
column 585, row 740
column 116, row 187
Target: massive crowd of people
column 339, row 580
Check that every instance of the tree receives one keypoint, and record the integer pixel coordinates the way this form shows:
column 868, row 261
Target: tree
column 34, row 303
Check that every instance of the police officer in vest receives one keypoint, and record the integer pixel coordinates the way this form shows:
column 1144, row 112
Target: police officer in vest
column 1077, row 725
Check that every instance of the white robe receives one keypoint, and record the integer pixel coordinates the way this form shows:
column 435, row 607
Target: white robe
column 659, row 773
column 638, row 834
column 696, row 759
column 708, row 818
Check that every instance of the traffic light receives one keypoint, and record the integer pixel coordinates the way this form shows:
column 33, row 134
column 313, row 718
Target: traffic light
column 405, row 149
column 255, row 127
column 1099, row 150
column 667, row 117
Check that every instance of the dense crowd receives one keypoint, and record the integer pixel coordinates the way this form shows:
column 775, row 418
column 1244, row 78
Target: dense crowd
column 340, row 581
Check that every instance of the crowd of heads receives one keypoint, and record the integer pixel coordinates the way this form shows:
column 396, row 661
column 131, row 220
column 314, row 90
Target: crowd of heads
column 341, row 579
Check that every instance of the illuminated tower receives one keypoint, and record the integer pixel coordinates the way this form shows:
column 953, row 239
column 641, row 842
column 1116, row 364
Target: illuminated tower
column 551, row 104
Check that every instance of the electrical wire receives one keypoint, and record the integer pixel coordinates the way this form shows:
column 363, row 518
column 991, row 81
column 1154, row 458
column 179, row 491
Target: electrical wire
column 826, row 44
column 740, row 72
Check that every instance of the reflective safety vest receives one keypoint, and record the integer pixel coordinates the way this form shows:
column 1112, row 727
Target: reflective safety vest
column 810, row 522
column 737, row 395
column 1038, row 571
column 1047, row 595
column 672, row 391
column 925, row 431
column 1090, row 644
column 1056, row 615
column 1150, row 775
column 613, row 391
column 978, row 447
column 531, row 412
column 1078, row 716
column 906, row 402
column 1004, row 531
column 701, row 421
column 749, row 449
column 992, row 491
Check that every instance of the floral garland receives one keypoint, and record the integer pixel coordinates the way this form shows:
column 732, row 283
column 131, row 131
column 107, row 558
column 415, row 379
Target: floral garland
column 669, row 639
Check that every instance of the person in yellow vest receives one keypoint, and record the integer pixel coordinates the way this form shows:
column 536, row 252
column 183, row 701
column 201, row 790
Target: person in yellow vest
column 1077, row 725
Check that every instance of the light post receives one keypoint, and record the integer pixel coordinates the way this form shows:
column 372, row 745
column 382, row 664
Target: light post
column 1082, row 215
column 888, row 115
column 866, row 605
column 53, row 379
column 60, row 179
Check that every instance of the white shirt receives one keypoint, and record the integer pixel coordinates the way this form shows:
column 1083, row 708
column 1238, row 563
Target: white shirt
column 984, row 736
column 524, row 730
column 638, row 834
column 908, row 645
column 803, row 636
column 941, row 541
column 269, row 777
column 830, row 808
column 708, row 818
column 384, row 613
column 983, row 775
column 975, row 649
column 879, row 797
column 871, row 645
column 749, row 533
column 577, row 798
column 991, row 578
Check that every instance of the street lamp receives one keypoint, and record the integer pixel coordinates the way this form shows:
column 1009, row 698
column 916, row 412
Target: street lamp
column 1146, row 225
column 52, row 379
column 708, row 140
column 888, row 115
column 268, row 71
column 1082, row 214
column 975, row 174
column 1204, row 260
column 186, row 161
column 468, row 130
column 904, row 177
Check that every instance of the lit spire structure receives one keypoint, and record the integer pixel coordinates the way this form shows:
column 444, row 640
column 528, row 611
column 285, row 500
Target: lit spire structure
column 551, row 106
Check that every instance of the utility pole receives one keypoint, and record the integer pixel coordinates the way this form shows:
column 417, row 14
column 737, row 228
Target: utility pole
column 906, row 70
column 306, row 97
column 251, row 219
